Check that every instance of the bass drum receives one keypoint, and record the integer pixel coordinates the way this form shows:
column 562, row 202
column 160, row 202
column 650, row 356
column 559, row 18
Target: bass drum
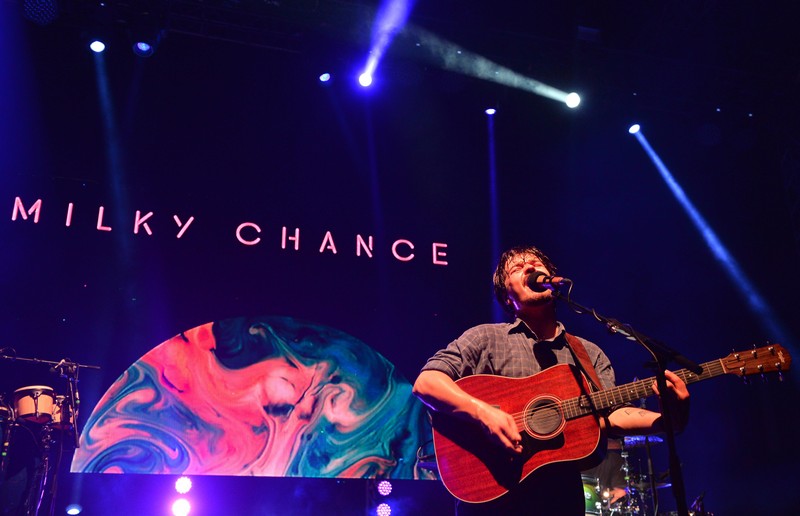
column 591, row 495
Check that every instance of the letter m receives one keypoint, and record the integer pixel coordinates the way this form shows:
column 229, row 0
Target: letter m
column 19, row 209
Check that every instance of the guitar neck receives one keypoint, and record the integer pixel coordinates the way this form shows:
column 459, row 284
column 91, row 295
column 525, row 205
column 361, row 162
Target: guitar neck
column 639, row 389
column 767, row 359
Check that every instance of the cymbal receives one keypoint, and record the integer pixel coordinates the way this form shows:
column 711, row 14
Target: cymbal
column 635, row 441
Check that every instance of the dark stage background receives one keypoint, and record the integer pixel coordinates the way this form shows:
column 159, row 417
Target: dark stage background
column 228, row 132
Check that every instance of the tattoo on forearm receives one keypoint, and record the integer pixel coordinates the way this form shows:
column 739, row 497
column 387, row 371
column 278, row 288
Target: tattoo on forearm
column 630, row 411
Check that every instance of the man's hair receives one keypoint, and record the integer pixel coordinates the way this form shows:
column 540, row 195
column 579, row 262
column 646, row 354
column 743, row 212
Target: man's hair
column 500, row 276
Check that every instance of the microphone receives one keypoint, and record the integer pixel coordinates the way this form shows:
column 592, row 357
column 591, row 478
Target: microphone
column 538, row 281
column 57, row 366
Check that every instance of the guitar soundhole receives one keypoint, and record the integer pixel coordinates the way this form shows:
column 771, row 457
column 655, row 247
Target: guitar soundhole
column 544, row 418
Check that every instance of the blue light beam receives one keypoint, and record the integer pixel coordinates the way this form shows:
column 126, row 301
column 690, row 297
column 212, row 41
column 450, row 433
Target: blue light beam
column 391, row 18
column 746, row 287
column 494, row 203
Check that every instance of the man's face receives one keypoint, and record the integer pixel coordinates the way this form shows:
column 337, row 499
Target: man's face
column 517, row 271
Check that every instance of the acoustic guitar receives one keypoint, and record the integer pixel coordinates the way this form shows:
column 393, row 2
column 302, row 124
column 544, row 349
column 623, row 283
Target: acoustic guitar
column 559, row 420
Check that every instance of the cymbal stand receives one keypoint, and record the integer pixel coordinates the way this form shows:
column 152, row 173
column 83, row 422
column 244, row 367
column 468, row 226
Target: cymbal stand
column 651, row 474
column 626, row 469
column 42, row 472
column 7, row 433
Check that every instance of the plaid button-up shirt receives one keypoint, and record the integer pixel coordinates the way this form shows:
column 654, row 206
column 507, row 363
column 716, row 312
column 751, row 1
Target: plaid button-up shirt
column 512, row 350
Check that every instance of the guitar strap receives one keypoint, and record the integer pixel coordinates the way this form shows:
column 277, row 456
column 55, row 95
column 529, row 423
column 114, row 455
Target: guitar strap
column 579, row 351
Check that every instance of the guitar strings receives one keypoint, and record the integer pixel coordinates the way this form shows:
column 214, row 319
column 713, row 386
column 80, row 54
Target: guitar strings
column 586, row 403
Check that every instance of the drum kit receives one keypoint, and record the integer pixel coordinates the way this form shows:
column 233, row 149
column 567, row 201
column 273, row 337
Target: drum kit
column 640, row 488
column 37, row 424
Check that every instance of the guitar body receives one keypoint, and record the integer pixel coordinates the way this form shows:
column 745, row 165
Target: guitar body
column 557, row 419
column 475, row 471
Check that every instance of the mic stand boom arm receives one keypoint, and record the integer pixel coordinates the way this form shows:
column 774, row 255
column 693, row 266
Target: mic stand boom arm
column 662, row 354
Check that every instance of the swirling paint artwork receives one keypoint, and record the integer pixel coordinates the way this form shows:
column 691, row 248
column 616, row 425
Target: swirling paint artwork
column 270, row 396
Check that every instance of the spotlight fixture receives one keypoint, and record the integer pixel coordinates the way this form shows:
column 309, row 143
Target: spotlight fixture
column 97, row 46
column 146, row 40
column 183, row 485
column 365, row 79
column 572, row 100
column 325, row 77
column 74, row 509
column 490, row 111
column 634, row 129
column 181, row 507
column 143, row 49
column 384, row 488
column 146, row 30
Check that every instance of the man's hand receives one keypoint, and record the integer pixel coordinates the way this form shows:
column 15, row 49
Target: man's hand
column 616, row 493
column 499, row 426
column 677, row 396
column 440, row 392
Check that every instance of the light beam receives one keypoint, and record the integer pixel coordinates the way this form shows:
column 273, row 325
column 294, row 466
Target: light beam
column 729, row 264
column 454, row 58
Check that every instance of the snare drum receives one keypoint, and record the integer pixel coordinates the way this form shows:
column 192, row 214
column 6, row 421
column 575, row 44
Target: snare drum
column 34, row 403
column 591, row 495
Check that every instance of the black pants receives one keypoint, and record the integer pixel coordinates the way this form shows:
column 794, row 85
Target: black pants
column 555, row 490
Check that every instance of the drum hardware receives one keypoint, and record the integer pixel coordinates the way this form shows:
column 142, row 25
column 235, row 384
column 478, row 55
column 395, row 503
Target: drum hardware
column 62, row 415
column 636, row 441
column 37, row 408
column 7, row 422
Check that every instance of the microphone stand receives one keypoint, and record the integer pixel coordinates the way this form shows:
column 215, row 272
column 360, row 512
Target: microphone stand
column 662, row 354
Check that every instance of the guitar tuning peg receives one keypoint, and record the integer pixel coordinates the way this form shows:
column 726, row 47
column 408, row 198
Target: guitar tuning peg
column 780, row 376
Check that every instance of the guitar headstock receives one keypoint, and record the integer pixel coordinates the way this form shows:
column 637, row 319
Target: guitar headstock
column 767, row 359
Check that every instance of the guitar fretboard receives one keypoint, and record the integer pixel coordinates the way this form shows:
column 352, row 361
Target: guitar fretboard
column 639, row 389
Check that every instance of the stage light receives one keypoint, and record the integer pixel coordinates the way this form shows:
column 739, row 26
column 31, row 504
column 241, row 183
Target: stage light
column 365, row 79
column 383, row 509
column 73, row 509
column 183, row 485
column 143, row 49
column 572, row 100
column 384, row 488
column 389, row 20
column 181, row 507
column 97, row 46
column 146, row 36
column 146, row 30
column 491, row 111
column 634, row 129
column 325, row 77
